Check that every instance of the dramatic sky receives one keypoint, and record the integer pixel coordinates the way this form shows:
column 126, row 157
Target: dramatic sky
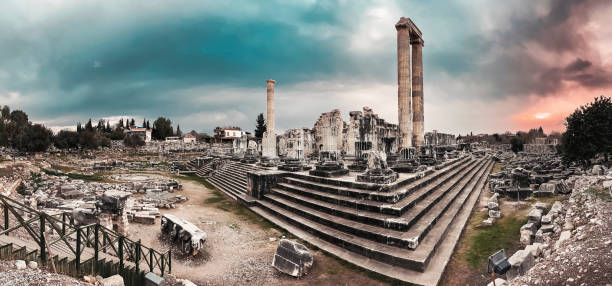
column 489, row 66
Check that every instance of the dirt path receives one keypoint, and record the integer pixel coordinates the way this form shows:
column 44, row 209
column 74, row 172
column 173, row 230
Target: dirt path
column 238, row 251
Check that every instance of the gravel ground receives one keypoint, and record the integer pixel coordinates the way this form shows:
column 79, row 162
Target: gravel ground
column 583, row 259
column 10, row 276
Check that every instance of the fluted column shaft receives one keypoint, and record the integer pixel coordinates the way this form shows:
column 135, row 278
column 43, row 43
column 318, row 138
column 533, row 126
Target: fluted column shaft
column 270, row 106
column 418, row 116
column 403, row 90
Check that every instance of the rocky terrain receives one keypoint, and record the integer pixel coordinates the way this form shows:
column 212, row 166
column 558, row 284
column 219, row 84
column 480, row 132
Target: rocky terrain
column 581, row 251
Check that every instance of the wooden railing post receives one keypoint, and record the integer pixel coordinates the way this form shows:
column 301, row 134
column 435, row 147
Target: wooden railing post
column 120, row 254
column 96, row 241
column 78, row 251
column 63, row 224
column 43, row 252
column 6, row 217
column 137, row 256
column 150, row 259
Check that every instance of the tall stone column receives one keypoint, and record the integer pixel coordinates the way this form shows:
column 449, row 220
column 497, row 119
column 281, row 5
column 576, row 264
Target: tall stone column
column 269, row 138
column 403, row 81
column 270, row 106
column 418, row 117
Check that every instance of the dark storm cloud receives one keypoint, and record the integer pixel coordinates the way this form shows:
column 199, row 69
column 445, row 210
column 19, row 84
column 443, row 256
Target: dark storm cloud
column 559, row 32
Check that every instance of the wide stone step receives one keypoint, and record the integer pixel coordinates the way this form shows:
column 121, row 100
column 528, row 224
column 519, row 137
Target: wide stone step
column 413, row 259
column 385, row 229
column 366, row 203
column 223, row 187
column 226, row 186
column 382, row 219
column 432, row 254
column 392, row 196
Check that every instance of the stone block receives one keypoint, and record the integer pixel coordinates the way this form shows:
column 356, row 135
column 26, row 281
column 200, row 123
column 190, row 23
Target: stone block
column 260, row 182
column 20, row 265
column 539, row 236
column 526, row 237
column 115, row 280
column 520, row 263
column 530, row 226
column 498, row 282
column 488, row 222
column 292, row 258
column 494, row 214
column 493, row 206
column 565, row 235
column 144, row 218
column 547, row 219
column 547, row 228
column 534, row 249
column 542, row 206
column 152, row 279
column 535, row 216
column 33, row 264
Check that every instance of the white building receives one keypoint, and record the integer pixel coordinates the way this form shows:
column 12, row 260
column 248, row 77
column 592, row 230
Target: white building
column 144, row 133
column 189, row 139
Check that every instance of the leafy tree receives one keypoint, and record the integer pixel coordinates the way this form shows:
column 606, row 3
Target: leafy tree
column 117, row 134
column 148, row 126
column 3, row 134
column 588, row 132
column 162, row 128
column 66, row 139
column 144, row 122
column 108, row 128
column 179, row 133
column 120, row 123
column 516, row 144
column 132, row 122
column 260, row 126
column 6, row 112
column 133, row 141
column 89, row 126
column 18, row 121
column 33, row 138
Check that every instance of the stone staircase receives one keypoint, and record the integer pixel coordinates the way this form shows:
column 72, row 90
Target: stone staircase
column 406, row 232
column 15, row 248
column 232, row 178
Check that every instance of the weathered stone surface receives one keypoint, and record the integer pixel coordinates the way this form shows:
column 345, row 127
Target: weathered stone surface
column 181, row 230
column 530, row 226
column 547, row 228
column 526, row 237
column 534, row 249
column 493, row 206
column 32, row 264
column 542, row 207
column 547, row 219
column 20, row 265
column 520, row 262
column 488, row 222
column 535, row 216
column 498, row 282
column 565, row 235
column 152, row 279
column 598, row 170
column 260, row 182
column 292, row 258
column 115, row 280
column 494, row 214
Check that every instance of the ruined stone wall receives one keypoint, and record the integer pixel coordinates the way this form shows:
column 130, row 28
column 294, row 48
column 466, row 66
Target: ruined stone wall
column 366, row 131
column 539, row 149
column 296, row 143
column 436, row 138
column 329, row 131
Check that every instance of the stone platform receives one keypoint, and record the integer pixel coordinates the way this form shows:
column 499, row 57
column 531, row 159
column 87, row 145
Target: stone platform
column 405, row 230
column 331, row 169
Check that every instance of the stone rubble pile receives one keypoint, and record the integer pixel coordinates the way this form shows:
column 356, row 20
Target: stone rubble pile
column 542, row 175
column 493, row 210
column 572, row 244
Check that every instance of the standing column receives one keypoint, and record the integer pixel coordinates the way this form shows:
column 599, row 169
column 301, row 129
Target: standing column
column 418, row 118
column 403, row 81
column 270, row 106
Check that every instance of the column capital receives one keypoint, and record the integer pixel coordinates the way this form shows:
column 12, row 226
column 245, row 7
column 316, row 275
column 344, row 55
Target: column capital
column 270, row 81
column 417, row 41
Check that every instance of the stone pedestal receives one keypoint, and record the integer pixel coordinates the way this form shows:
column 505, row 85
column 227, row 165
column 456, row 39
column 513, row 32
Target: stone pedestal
column 294, row 165
column 329, row 169
column 378, row 176
column 359, row 165
column 260, row 182
column 407, row 161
